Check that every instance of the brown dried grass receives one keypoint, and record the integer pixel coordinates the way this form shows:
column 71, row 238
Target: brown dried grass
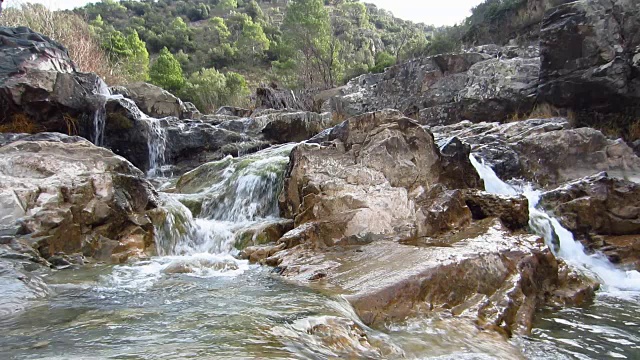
column 71, row 31
column 544, row 111
column 21, row 123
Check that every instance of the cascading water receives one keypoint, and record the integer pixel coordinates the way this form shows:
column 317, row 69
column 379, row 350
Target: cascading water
column 561, row 240
column 157, row 143
column 232, row 194
column 100, row 115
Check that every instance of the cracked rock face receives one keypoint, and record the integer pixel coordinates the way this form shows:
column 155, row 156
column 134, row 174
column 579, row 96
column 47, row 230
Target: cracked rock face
column 385, row 215
column 75, row 197
column 39, row 82
column 589, row 53
column 488, row 83
column 371, row 177
column 545, row 151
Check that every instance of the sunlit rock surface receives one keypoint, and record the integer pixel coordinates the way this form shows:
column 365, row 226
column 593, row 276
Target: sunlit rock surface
column 545, row 151
column 75, row 197
column 380, row 216
column 479, row 85
column 603, row 212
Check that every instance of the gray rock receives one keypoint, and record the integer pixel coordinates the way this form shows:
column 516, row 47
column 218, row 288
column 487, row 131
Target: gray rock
column 602, row 212
column 40, row 89
column 376, row 177
column 278, row 99
column 477, row 85
column 294, row 127
column 157, row 102
column 233, row 111
column 590, row 52
column 545, row 151
column 68, row 195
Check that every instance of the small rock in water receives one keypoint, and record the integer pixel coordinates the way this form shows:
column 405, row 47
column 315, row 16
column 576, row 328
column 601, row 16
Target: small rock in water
column 41, row 344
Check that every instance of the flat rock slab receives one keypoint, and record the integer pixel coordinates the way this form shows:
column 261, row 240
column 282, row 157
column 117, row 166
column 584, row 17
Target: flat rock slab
column 484, row 274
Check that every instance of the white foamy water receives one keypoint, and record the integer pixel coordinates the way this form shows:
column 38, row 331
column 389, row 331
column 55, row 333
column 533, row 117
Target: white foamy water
column 242, row 193
column 561, row 241
column 103, row 95
column 246, row 188
column 157, row 144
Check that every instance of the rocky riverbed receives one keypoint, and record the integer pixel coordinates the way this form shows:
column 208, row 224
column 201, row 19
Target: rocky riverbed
column 422, row 232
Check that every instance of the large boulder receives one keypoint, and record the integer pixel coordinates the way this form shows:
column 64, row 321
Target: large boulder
column 277, row 99
column 75, row 197
column 602, row 212
column 546, row 151
column 154, row 101
column 40, row 88
column 375, row 175
column 486, row 83
column 484, row 276
column 394, row 221
column 590, row 51
column 294, row 126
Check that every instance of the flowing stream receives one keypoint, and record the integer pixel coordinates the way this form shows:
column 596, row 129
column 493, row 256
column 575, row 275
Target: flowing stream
column 157, row 143
column 607, row 328
column 197, row 300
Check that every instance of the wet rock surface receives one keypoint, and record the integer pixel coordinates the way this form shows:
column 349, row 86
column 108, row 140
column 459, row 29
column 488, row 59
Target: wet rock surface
column 75, row 197
column 545, row 151
column 603, row 212
column 487, row 275
column 424, row 243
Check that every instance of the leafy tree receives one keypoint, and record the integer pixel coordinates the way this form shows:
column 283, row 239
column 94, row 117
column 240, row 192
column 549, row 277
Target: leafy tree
column 228, row 4
column 166, row 72
column 314, row 43
column 137, row 63
column 254, row 11
column 237, row 88
column 209, row 89
column 206, row 89
column 307, row 29
column 383, row 61
column 252, row 39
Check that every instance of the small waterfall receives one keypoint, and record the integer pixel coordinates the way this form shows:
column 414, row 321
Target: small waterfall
column 235, row 194
column 248, row 187
column 157, row 144
column 100, row 115
column 182, row 234
column 559, row 239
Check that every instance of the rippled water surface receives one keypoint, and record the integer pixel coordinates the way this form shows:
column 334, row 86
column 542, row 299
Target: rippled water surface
column 216, row 307
column 220, row 308
column 607, row 329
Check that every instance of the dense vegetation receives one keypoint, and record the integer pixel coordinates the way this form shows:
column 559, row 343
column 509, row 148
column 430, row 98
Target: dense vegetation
column 298, row 44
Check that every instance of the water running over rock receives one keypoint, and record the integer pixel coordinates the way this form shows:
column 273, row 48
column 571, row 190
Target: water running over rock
column 157, row 137
column 561, row 240
column 100, row 115
column 213, row 204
